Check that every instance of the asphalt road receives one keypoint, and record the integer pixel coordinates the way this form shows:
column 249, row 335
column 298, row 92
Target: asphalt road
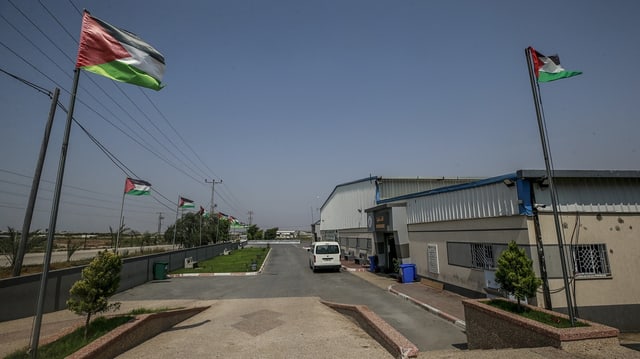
column 287, row 275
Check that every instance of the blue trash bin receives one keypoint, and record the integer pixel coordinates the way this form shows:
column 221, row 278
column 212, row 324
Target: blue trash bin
column 372, row 264
column 408, row 272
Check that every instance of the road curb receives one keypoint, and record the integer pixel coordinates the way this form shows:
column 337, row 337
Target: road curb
column 349, row 269
column 390, row 338
column 236, row 274
column 230, row 274
column 446, row 316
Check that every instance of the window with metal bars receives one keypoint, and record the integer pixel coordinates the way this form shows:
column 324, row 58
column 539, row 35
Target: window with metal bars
column 482, row 256
column 590, row 260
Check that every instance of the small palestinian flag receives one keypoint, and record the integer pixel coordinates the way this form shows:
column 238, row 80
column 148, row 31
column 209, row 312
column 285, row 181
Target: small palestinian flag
column 137, row 187
column 185, row 203
column 547, row 68
column 118, row 54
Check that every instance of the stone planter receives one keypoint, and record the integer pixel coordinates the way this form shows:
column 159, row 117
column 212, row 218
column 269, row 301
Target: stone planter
column 492, row 328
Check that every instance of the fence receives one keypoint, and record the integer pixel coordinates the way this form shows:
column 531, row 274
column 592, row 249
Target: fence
column 19, row 295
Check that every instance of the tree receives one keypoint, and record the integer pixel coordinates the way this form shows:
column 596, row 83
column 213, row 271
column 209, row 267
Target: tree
column 9, row 246
column 252, row 232
column 114, row 235
column 188, row 230
column 271, row 233
column 515, row 273
column 72, row 247
column 100, row 280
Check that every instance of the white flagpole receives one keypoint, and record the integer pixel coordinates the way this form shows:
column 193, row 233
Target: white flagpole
column 554, row 198
column 120, row 226
column 175, row 225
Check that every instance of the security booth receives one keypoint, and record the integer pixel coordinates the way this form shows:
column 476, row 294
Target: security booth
column 388, row 223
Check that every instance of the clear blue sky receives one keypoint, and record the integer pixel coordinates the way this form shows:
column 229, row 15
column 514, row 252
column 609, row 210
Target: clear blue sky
column 284, row 100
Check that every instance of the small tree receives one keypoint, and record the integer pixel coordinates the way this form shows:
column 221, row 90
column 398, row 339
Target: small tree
column 100, row 280
column 515, row 273
column 271, row 234
column 72, row 247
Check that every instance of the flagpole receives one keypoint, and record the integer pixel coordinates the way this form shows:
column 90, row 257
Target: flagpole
column 554, row 199
column 35, row 337
column 175, row 226
column 120, row 226
column 35, row 184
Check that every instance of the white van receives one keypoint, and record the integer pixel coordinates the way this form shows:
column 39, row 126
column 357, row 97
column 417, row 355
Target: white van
column 324, row 255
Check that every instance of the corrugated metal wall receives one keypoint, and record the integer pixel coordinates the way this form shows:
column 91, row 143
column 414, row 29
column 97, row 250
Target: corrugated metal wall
column 595, row 195
column 345, row 208
column 394, row 187
column 492, row 200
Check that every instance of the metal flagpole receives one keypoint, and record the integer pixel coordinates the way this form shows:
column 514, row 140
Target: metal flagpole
column 35, row 184
column 554, row 199
column 121, row 223
column 35, row 337
column 175, row 225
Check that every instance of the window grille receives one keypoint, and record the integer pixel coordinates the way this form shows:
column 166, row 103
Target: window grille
column 590, row 260
column 482, row 256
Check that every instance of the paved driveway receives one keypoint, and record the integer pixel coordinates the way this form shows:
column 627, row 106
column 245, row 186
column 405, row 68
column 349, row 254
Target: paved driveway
column 287, row 275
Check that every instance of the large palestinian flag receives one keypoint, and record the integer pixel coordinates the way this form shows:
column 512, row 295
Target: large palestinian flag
column 547, row 68
column 185, row 203
column 137, row 187
column 118, row 54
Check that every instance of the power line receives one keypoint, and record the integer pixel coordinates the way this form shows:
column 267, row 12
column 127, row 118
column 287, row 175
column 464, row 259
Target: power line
column 30, row 84
column 89, row 93
column 134, row 104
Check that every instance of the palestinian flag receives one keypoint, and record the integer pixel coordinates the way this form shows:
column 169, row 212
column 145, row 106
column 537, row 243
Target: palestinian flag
column 118, row 54
column 137, row 187
column 185, row 203
column 202, row 211
column 547, row 68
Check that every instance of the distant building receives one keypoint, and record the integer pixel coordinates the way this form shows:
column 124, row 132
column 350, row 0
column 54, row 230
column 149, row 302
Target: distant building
column 285, row 234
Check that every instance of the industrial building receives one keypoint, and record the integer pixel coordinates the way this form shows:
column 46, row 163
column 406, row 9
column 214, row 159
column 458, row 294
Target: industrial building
column 455, row 232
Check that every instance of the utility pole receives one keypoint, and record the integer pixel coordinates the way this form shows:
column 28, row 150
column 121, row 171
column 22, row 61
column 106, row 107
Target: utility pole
column 160, row 218
column 26, row 226
column 213, row 191
column 250, row 213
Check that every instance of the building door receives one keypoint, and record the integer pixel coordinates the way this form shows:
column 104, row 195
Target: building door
column 390, row 243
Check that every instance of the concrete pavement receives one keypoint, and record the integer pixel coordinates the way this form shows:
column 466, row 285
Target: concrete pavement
column 281, row 328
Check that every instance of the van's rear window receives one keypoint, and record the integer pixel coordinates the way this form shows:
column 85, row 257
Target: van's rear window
column 327, row 249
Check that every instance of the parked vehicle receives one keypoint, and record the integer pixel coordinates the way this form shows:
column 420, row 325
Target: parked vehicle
column 324, row 255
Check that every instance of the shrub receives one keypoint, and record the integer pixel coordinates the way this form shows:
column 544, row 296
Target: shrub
column 515, row 273
column 100, row 280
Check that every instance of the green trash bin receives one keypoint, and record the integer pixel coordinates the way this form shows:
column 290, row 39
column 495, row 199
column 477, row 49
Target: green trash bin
column 160, row 270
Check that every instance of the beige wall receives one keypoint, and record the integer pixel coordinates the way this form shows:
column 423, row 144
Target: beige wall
column 621, row 234
column 489, row 230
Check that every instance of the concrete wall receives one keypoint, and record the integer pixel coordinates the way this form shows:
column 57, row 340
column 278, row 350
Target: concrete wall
column 599, row 298
column 19, row 296
column 500, row 230
column 492, row 328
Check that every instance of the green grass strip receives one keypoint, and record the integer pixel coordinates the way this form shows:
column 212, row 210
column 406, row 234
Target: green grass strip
column 238, row 261
column 72, row 342
column 542, row 317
